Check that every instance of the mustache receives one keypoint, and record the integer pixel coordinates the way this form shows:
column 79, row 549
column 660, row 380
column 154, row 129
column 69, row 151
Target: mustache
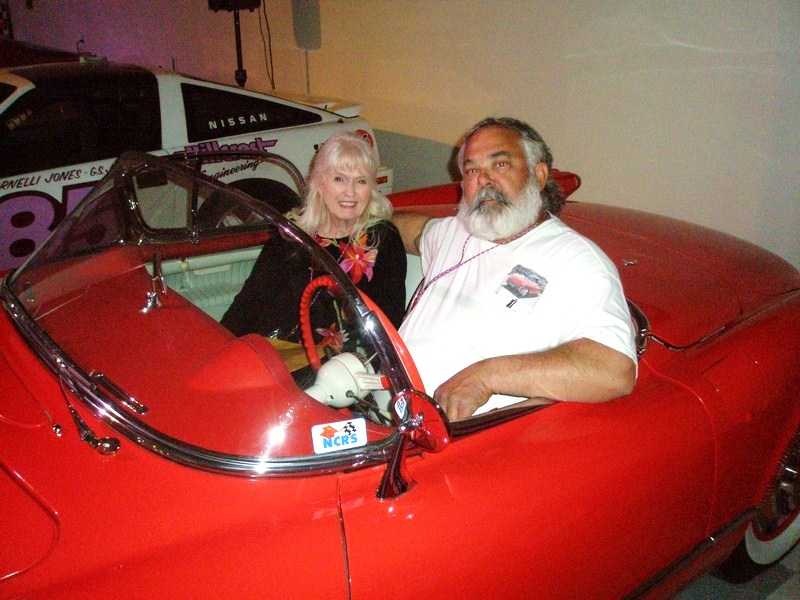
column 485, row 194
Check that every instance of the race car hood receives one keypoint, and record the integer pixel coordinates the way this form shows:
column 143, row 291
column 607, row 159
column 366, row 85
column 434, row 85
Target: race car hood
column 689, row 280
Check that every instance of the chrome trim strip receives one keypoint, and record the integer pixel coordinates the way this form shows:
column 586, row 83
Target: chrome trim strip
column 128, row 400
column 669, row 346
column 465, row 427
column 642, row 325
column 108, row 411
column 643, row 332
column 684, row 562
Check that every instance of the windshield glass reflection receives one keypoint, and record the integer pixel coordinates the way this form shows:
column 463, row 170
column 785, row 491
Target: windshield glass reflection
column 131, row 289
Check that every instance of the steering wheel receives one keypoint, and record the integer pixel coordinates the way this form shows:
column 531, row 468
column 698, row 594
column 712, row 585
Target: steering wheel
column 326, row 281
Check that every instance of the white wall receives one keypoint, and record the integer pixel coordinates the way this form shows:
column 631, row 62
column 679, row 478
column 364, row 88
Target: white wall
column 180, row 33
column 690, row 109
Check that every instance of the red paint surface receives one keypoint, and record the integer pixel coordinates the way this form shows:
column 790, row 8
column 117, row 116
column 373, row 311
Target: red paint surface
column 568, row 501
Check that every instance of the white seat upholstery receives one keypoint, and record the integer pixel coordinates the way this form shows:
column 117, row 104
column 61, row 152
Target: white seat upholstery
column 413, row 276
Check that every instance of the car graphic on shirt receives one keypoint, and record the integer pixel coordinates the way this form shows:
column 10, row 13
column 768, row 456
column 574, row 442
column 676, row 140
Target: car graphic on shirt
column 524, row 282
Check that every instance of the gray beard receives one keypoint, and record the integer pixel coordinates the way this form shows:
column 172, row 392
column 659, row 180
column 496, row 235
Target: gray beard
column 504, row 218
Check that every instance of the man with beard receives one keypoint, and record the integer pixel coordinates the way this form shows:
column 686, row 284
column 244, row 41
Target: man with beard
column 515, row 305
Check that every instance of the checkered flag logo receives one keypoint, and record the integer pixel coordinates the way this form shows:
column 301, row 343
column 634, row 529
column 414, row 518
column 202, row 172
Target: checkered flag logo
column 349, row 428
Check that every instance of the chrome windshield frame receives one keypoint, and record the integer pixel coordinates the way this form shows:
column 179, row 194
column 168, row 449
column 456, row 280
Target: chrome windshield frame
column 113, row 412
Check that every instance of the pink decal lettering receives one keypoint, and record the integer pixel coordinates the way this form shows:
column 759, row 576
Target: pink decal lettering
column 26, row 219
column 72, row 195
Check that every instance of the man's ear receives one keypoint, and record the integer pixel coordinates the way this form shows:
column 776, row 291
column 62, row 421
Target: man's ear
column 541, row 173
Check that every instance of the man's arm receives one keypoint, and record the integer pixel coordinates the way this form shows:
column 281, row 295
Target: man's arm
column 581, row 371
column 410, row 226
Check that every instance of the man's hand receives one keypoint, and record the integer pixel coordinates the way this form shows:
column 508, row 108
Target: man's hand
column 464, row 392
column 578, row 371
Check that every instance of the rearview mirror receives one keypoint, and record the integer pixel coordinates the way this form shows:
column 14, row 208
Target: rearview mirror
column 422, row 424
column 427, row 424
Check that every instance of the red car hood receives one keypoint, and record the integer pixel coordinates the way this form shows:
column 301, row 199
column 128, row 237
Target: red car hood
column 689, row 280
column 24, row 516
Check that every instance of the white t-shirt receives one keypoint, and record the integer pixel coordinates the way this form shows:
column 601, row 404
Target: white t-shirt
column 550, row 286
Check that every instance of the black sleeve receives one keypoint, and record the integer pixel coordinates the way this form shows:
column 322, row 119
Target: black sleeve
column 268, row 302
column 387, row 288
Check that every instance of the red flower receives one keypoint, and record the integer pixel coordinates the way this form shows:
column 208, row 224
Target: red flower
column 358, row 259
column 324, row 242
column 331, row 337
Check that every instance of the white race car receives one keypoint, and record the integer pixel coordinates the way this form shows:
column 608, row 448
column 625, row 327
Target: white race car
column 62, row 125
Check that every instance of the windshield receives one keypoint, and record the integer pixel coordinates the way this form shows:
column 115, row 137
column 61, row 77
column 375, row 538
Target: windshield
column 124, row 302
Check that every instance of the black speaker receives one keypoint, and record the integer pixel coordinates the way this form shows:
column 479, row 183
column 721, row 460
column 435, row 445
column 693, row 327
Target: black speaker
column 305, row 18
column 233, row 4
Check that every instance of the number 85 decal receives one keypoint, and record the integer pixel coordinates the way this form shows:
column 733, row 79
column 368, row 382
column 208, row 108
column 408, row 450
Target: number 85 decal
column 27, row 218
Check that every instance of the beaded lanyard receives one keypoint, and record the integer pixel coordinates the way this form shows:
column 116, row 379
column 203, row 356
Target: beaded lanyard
column 461, row 262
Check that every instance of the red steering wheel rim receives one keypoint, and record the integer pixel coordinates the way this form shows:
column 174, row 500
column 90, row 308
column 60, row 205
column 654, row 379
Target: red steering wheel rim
column 329, row 282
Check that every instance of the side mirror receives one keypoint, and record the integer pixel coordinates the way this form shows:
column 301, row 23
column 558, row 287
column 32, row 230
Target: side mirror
column 423, row 424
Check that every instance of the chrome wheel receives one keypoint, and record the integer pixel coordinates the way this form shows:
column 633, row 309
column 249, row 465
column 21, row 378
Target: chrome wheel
column 776, row 528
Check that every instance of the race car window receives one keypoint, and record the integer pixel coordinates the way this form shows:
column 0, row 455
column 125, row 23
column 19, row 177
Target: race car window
column 6, row 90
column 43, row 133
column 127, row 116
column 53, row 129
column 213, row 113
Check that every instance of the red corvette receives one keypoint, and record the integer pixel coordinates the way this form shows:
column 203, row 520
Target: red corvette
column 145, row 451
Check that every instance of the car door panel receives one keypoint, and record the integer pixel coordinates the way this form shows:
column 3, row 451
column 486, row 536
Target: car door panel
column 501, row 512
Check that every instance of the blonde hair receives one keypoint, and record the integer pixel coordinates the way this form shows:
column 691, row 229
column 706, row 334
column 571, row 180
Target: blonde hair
column 344, row 151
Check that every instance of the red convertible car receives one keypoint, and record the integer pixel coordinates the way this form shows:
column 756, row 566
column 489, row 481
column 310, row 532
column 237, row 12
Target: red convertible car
column 147, row 452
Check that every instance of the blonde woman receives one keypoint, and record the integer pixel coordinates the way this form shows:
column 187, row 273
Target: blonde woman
column 349, row 217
